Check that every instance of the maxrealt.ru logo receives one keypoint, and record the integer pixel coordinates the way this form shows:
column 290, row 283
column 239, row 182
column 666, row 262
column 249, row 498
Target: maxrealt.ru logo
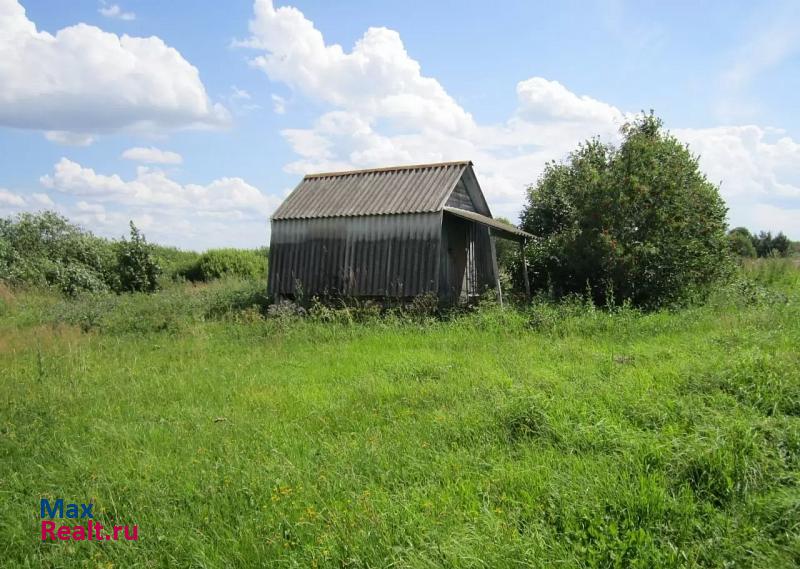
column 89, row 530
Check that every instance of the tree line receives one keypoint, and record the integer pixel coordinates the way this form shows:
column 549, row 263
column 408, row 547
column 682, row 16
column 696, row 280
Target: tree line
column 750, row 245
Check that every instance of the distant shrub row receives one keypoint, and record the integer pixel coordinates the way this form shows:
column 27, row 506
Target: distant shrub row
column 219, row 263
column 750, row 245
column 46, row 250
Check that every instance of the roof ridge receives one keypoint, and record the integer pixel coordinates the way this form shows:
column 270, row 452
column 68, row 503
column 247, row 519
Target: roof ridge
column 388, row 169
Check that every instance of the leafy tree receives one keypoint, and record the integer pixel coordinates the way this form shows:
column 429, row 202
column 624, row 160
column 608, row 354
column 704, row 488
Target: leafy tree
column 781, row 244
column 741, row 242
column 638, row 223
column 137, row 267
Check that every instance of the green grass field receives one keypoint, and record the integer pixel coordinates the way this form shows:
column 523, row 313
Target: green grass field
column 555, row 436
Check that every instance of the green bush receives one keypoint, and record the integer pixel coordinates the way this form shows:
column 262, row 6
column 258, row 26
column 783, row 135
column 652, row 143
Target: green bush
column 137, row 268
column 741, row 242
column 176, row 264
column 638, row 223
column 75, row 278
column 45, row 249
column 230, row 297
column 242, row 263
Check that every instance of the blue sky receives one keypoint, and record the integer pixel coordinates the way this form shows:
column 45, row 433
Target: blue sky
column 194, row 119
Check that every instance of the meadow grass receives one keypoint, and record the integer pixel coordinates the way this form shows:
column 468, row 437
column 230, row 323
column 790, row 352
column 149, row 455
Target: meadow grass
column 555, row 435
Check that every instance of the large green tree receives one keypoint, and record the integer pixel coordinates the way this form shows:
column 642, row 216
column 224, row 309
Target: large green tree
column 638, row 222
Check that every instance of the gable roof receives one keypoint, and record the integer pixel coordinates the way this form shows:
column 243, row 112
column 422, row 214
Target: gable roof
column 379, row 191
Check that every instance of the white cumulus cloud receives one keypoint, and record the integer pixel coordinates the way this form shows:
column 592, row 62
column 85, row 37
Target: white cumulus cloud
column 10, row 199
column 152, row 155
column 237, row 93
column 83, row 81
column 377, row 77
column 383, row 110
column 114, row 11
column 758, row 170
column 43, row 200
column 278, row 104
column 154, row 188
column 13, row 202
column 225, row 211
column 540, row 98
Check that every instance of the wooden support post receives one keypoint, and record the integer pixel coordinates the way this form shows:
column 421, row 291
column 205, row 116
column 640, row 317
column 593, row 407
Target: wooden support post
column 499, row 292
column 494, row 267
column 525, row 269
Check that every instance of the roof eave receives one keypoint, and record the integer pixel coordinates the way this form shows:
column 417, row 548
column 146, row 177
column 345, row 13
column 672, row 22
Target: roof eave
column 491, row 223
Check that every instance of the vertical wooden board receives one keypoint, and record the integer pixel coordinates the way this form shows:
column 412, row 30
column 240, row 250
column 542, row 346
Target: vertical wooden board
column 360, row 256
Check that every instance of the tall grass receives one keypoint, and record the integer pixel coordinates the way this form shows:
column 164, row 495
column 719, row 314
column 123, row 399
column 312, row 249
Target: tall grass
column 780, row 271
column 552, row 435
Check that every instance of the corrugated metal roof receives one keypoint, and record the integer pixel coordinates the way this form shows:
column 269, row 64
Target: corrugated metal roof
column 401, row 189
column 493, row 223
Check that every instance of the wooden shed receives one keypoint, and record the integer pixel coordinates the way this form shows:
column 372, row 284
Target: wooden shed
column 382, row 233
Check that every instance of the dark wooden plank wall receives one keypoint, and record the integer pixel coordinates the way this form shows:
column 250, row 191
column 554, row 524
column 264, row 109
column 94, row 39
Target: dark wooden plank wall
column 465, row 261
column 367, row 256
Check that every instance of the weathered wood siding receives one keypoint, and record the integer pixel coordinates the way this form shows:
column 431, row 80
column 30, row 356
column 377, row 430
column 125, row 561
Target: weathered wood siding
column 480, row 259
column 453, row 257
column 460, row 198
column 465, row 259
column 367, row 256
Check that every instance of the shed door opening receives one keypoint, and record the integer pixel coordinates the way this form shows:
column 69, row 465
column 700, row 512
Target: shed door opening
column 455, row 245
